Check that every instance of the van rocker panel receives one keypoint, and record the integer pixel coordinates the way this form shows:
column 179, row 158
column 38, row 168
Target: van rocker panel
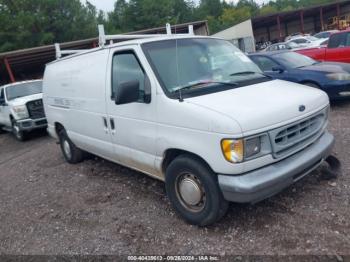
column 262, row 183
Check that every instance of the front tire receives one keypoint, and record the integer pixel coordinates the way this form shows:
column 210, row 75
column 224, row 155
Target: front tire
column 193, row 190
column 71, row 153
column 17, row 132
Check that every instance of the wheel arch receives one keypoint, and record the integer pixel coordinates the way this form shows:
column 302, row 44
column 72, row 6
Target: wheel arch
column 58, row 127
column 172, row 153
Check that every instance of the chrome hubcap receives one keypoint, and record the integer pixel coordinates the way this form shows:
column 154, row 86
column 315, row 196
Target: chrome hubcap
column 190, row 192
column 66, row 148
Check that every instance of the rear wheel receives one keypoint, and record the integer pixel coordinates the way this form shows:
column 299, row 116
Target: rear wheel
column 71, row 153
column 193, row 191
column 17, row 132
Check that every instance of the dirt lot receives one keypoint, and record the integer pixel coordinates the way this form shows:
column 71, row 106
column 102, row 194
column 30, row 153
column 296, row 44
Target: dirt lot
column 97, row 207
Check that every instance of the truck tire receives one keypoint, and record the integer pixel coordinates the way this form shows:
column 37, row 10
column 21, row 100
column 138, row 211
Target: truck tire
column 18, row 134
column 71, row 152
column 193, row 190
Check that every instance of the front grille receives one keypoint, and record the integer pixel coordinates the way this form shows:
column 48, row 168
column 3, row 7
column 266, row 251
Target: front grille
column 36, row 109
column 41, row 122
column 291, row 138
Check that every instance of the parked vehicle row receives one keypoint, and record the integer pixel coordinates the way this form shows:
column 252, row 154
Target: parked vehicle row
column 21, row 108
column 308, row 41
column 192, row 111
column 337, row 50
column 331, row 77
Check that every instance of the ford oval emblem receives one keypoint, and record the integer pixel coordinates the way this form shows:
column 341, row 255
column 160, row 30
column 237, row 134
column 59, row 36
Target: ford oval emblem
column 302, row 108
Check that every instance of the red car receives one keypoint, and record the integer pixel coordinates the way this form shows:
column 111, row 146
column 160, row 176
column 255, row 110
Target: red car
column 338, row 49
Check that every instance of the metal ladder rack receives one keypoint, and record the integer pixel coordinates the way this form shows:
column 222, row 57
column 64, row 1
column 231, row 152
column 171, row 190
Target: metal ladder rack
column 103, row 38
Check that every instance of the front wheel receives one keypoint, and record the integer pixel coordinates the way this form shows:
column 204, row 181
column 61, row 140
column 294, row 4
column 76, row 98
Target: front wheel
column 71, row 152
column 193, row 191
column 17, row 132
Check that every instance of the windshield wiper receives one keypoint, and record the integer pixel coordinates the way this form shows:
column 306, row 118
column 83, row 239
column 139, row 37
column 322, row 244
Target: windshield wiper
column 246, row 73
column 200, row 83
column 204, row 83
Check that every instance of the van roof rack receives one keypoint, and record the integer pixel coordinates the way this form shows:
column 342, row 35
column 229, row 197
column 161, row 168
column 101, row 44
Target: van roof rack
column 103, row 38
column 60, row 52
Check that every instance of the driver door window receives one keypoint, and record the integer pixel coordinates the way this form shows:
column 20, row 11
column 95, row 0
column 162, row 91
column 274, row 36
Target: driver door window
column 126, row 67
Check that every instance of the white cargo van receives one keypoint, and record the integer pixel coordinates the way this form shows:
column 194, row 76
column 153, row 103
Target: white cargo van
column 192, row 111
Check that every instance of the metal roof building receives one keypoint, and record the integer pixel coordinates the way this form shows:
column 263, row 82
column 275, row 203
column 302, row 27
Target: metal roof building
column 275, row 27
column 30, row 63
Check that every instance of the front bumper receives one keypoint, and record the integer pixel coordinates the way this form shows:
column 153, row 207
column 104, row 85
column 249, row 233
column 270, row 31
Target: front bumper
column 31, row 124
column 262, row 183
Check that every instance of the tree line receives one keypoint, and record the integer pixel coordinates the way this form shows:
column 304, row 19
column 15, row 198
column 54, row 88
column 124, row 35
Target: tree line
column 28, row 23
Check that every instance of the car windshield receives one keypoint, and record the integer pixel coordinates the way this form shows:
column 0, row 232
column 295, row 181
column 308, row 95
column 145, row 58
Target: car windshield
column 199, row 62
column 293, row 60
column 25, row 89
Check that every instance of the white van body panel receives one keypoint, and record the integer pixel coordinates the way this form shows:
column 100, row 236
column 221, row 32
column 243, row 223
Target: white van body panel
column 77, row 94
column 77, row 100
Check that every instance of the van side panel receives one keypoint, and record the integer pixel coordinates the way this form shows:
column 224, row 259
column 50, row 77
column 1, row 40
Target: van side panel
column 74, row 96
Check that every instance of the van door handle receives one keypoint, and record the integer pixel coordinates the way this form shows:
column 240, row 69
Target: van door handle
column 111, row 121
column 105, row 123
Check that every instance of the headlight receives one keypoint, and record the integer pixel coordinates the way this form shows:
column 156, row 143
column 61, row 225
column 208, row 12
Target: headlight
column 238, row 150
column 21, row 111
column 233, row 150
column 252, row 146
column 339, row 76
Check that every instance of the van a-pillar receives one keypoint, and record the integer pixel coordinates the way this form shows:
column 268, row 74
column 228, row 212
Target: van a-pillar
column 9, row 70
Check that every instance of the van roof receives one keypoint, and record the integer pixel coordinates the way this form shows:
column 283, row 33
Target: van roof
column 132, row 42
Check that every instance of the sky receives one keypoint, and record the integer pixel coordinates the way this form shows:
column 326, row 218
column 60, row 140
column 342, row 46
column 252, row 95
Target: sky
column 108, row 5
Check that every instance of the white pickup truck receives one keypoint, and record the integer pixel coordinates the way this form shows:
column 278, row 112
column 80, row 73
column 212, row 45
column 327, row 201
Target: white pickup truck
column 192, row 111
column 21, row 108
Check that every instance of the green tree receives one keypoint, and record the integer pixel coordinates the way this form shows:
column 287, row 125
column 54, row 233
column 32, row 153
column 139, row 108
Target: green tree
column 27, row 23
column 231, row 16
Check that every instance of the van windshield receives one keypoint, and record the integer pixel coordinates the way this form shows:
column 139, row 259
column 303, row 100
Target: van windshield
column 199, row 63
column 25, row 89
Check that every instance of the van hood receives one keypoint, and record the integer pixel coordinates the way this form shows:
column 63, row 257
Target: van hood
column 25, row 99
column 265, row 105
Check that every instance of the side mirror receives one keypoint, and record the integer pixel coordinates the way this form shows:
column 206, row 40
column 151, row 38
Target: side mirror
column 277, row 69
column 127, row 92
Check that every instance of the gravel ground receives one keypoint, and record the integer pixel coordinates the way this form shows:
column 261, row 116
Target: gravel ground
column 50, row 207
